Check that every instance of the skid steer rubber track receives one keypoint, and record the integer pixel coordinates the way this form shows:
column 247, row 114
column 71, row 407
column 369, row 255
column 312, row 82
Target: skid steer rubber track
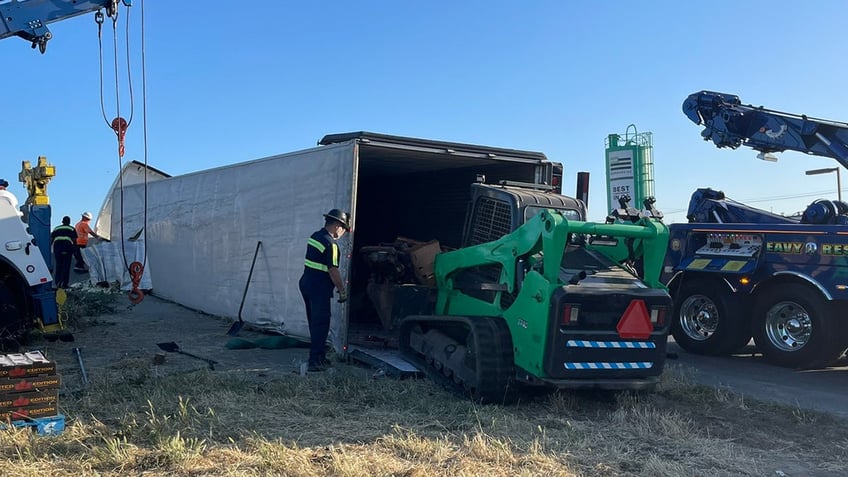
column 471, row 356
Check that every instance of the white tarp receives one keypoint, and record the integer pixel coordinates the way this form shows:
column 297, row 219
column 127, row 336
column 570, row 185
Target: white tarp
column 202, row 229
column 109, row 261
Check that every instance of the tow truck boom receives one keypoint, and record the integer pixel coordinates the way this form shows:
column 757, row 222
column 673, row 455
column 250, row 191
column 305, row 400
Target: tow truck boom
column 28, row 19
column 729, row 123
column 737, row 272
column 27, row 297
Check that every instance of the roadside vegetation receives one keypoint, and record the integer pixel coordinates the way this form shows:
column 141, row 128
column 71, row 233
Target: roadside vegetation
column 83, row 306
column 347, row 422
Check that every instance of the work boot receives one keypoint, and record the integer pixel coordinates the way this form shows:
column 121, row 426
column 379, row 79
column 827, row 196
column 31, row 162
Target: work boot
column 315, row 368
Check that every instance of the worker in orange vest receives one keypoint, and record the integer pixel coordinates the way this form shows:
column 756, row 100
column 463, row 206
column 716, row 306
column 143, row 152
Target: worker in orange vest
column 84, row 230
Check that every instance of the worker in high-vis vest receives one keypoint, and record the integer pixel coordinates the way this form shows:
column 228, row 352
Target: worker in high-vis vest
column 320, row 276
column 63, row 241
column 83, row 231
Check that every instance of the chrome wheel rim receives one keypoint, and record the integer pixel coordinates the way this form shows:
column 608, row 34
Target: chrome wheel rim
column 788, row 326
column 698, row 317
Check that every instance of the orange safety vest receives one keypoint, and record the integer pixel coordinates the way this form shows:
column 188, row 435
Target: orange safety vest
column 83, row 230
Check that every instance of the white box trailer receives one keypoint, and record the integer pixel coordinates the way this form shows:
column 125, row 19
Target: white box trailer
column 203, row 227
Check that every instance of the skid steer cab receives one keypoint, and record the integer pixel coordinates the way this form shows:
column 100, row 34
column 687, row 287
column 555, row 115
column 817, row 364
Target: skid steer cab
column 544, row 304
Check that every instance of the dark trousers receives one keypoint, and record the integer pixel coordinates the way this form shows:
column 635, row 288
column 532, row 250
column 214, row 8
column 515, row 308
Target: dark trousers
column 63, row 269
column 78, row 256
column 318, row 315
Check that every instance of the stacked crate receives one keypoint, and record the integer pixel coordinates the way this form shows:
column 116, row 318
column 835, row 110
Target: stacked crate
column 29, row 388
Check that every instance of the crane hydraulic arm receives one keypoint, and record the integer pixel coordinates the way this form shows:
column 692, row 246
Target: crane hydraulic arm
column 28, row 19
column 729, row 123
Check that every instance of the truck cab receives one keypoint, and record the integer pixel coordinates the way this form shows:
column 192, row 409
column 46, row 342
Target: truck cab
column 26, row 293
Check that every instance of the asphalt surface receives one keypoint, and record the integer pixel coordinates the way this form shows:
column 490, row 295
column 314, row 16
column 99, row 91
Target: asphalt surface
column 821, row 390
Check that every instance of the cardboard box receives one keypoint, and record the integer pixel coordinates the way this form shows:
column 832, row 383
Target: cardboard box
column 13, row 400
column 19, row 365
column 423, row 257
column 33, row 383
column 28, row 412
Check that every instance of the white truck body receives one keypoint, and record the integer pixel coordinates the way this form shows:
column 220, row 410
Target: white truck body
column 202, row 227
column 26, row 293
column 18, row 251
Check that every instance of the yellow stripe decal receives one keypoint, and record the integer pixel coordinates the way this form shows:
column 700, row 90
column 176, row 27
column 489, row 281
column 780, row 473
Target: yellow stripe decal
column 316, row 266
column 699, row 264
column 317, row 244
column 733, row 266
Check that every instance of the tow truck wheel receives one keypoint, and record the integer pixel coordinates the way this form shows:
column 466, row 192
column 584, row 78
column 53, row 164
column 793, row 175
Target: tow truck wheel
column 11, row 318
column 792, row 329
column 708, row 320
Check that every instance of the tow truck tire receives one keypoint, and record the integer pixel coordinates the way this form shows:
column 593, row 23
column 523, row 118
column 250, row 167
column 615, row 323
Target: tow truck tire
column 792, row 327
column 11, row 317
column 708, row 320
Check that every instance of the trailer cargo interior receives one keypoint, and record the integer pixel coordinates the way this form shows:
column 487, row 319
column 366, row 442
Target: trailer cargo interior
column 418, row 190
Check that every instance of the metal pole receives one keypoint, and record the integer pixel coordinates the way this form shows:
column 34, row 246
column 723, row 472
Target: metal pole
column 82, row 366
column 827, row 171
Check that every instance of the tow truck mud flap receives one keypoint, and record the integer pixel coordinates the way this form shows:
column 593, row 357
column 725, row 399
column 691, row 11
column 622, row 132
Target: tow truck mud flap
column 387, row 360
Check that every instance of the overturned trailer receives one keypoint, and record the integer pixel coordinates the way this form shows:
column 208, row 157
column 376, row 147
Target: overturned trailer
column 109, row 261
column 202, row 228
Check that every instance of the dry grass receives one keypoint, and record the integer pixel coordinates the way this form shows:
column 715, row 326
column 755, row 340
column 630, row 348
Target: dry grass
column 346, row 424
column 130, row 421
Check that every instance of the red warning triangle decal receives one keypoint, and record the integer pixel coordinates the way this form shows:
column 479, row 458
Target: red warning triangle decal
column 635, row 322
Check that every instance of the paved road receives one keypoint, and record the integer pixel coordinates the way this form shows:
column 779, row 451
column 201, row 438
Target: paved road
column 821, row 390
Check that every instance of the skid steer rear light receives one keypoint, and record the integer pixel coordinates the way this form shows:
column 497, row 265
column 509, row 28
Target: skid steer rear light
column 569, row 314
column 658, row 316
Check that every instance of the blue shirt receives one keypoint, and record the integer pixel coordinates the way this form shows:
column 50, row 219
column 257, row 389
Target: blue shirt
column 322, row 253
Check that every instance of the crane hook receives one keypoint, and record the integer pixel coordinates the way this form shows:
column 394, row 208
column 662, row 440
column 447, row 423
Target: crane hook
column 119, row 125
column 136, row 270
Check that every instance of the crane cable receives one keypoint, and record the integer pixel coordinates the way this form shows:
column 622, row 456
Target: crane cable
column 119, row 125
column 140, row 266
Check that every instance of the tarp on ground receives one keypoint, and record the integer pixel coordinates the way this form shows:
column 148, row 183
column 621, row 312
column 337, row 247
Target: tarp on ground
column 202, row 229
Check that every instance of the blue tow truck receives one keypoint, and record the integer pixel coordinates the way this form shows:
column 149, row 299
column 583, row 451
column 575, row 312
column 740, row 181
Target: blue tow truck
column 737, row 272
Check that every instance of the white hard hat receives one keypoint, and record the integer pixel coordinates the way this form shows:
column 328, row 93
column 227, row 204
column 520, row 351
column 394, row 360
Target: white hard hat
column 87, row 215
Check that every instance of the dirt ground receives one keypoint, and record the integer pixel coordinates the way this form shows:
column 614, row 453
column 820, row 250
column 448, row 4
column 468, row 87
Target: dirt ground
column 124, row 343
column 129, row 338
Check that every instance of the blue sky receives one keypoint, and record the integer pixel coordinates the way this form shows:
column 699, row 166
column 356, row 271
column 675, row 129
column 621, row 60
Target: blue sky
column 227, row 83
